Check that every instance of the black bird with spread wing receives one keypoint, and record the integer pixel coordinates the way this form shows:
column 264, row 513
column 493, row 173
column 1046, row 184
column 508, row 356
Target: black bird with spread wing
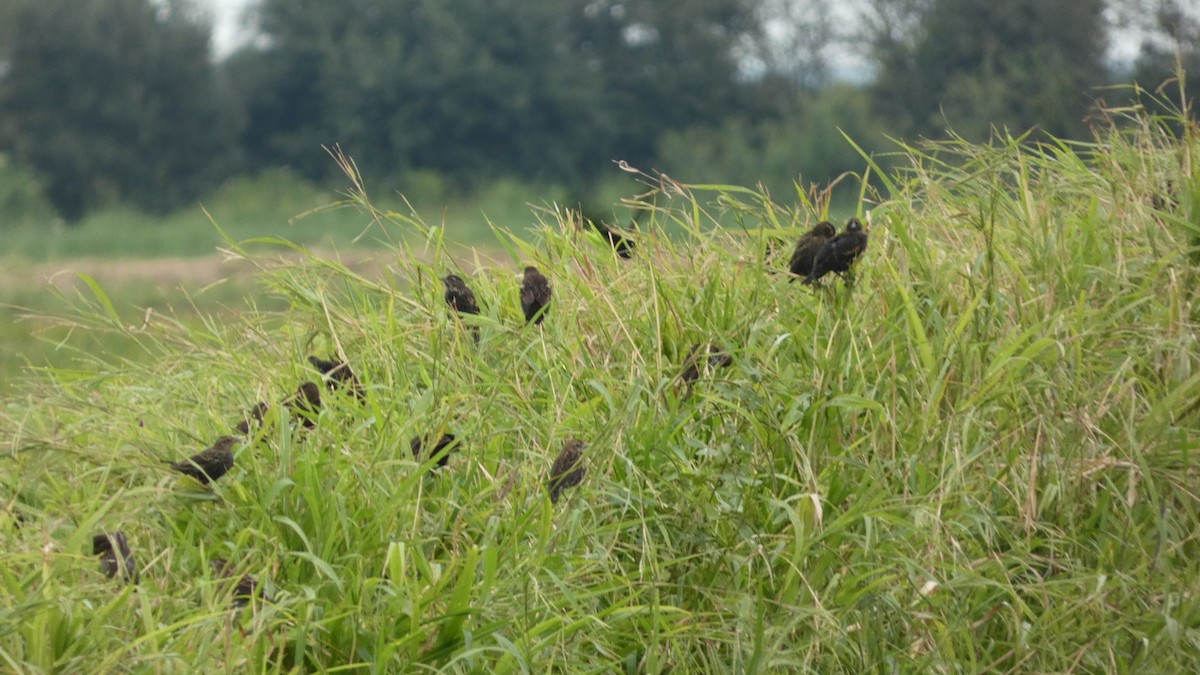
column 619, row 240
column 209, row 464
column 621, row 243
column 839, row 253
column 338, row 373
column 441, row 450
column 535, row 295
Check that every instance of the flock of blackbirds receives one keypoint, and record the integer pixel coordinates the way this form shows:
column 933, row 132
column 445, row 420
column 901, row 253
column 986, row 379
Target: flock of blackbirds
column 822, row 250
column 819, row 252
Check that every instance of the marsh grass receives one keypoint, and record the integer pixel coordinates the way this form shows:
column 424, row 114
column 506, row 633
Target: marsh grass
column 978, row 457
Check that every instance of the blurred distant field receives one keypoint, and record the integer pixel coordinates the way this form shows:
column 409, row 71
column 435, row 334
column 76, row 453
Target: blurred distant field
column 173, row 265
column 272, row 204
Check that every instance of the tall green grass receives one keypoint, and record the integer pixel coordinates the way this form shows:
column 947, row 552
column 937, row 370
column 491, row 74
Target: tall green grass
column 35, row 336
column 976, row 458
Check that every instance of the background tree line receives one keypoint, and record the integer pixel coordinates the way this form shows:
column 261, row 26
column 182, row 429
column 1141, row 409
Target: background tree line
column 120, row 101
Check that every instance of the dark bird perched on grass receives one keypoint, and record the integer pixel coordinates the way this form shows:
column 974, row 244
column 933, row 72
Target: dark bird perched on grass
column 535, row 295
column 458, row 296
column 461, row 299
column 338, row 373
column 691, row 365
column 253, row 417
column 246, row 587
column 808, row 246
column 568, row 469
column 620, row 242
column 209, row 464
column 839, row 253
column 708, row 357
column 718, row 358
column 115, row 556
column 306, row 403
column 441, row 451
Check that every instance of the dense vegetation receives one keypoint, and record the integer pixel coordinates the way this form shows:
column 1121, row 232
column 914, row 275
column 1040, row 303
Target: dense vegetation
column 976, row 457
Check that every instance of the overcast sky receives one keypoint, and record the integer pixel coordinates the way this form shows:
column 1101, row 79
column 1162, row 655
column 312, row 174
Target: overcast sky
column 228, row 20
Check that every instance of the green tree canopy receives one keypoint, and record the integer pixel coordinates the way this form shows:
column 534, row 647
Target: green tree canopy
column 540, row 88
column 111, row 100
column 978, row 63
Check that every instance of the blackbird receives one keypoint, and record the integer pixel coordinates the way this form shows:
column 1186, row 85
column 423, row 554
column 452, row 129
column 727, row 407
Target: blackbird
column 839, row 253
column 458, row 296
column 253, row 416
column 717, row 358
column 807, row 247
column 691, row 365
column 441, row 451
column 620, row 242
column 568, row 469
column 338, row 373
column 306, row 402
column 535, row 295
column 209, row 464
column 246, row 586
column 115, row 556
